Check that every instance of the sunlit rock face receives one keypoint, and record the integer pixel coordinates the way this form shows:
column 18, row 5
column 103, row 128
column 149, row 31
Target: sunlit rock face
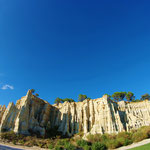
column 2, row 110
column 32, row 114
column 29, row 114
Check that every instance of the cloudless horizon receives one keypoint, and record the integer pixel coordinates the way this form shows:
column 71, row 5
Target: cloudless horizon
column 66, row 48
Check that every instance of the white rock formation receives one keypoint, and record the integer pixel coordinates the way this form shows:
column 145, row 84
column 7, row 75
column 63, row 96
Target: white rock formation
column 32, row 114
column 2, row 110
column 29, row 114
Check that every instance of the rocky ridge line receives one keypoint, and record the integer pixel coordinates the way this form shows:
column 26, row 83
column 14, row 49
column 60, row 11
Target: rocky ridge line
column 101, row 115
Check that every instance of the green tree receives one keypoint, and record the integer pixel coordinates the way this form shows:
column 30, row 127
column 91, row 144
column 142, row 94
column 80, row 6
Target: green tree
column 145, row 96
column 118, row 96
column 58, row 100
column 122, row 95
column 81, row 97
column 67, row 100
column 37, row 94
column 32, row 91
column 136, row 100
column 130, row 96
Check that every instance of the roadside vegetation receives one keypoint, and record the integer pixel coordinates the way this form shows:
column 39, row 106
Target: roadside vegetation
column 93, row 142
column 113, row 141
column 143, row 147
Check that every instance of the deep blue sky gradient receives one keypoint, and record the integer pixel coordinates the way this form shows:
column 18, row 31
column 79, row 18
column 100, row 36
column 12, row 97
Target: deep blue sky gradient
column 64, row 48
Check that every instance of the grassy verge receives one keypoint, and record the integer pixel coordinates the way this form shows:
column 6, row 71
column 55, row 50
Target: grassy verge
column 143, row 147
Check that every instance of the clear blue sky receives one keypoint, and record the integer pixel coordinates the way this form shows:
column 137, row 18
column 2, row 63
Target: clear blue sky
column 64, row 48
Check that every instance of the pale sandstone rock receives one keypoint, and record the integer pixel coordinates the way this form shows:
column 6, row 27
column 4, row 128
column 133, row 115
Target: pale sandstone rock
column 101, row 115
column 2, row 110
column 8, row 118
column 29, row 114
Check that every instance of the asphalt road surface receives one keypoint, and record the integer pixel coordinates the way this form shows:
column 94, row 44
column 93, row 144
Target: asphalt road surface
column 2, row 147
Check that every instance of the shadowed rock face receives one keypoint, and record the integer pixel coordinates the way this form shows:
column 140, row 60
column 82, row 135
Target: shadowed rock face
column 32, row 114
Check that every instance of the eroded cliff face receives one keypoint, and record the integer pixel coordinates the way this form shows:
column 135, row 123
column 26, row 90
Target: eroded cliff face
column 29, row 114
column 32, row 114
column 2, row 110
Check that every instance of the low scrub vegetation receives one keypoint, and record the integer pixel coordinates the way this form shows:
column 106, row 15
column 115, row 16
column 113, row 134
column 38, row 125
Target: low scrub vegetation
column 98, row 146
column 113, row 141
column 82, row 143
column 94, row 142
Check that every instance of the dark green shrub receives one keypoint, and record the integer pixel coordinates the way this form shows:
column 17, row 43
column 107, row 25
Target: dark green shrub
column 120, row 142
column 62, row 142
column 110, row 144
column 69, row 146
column 94, row 138
column 112, row 136
column 125, row 135
column 58, row 148
column 87, row 147
column 99, row 146
column 10, row 136
column 141, row 133
column 127, row 142
column 145, row 130
column 82, row 143
column 51, row 146
column 104, row 137
column 21, row 141
column 124, row 138
column 14, row 142
column 52, row 132
column 139, row 136
column 113, row 143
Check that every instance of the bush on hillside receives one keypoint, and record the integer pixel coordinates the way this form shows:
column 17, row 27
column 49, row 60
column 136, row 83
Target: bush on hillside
column 139, row 136
column 51, row 146
column 63, row 142
column 87, row 147
column 11, row 136
column 94, row 138
column 58, row 147
column 82, row 143
column 99, row 146
column 69, row 146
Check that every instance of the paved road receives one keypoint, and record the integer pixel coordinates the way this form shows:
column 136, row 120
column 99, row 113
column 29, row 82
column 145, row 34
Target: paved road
column 2, row 147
